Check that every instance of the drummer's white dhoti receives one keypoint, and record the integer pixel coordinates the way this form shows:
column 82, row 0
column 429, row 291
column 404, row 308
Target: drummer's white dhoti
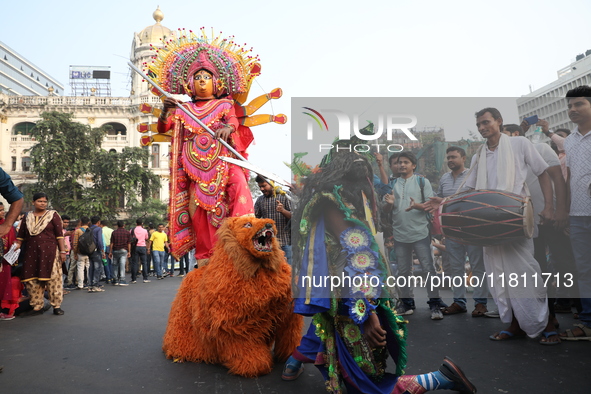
column 526, row 296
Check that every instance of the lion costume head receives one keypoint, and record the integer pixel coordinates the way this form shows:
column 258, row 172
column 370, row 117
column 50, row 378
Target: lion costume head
column 250, row 243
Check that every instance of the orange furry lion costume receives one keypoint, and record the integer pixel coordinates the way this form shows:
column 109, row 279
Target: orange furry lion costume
column 235, row 308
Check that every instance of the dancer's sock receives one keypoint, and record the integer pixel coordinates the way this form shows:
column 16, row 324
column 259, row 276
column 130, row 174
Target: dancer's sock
column 434, row 381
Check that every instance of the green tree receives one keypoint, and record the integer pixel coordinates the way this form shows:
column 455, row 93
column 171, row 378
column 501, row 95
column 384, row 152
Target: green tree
column 63, row 155
column 68, row 152
column 120, row 179
column 150, row 210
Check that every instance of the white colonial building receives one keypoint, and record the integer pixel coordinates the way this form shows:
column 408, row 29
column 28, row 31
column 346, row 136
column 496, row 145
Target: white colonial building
column 548, row 102
column 20, row 110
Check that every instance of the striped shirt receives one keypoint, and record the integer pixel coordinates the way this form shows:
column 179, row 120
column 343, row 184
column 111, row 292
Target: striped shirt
column 448, row 185
column 266, row 207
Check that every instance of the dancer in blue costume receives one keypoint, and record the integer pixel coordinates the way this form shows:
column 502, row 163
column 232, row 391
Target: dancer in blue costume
column 355, row 327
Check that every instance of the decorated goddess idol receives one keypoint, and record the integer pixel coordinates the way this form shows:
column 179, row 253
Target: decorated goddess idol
column 216, row 74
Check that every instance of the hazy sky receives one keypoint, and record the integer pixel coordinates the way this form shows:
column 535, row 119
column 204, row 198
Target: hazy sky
column 428, row 48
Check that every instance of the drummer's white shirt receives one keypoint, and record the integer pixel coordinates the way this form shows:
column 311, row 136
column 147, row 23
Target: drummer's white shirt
column 524, row 154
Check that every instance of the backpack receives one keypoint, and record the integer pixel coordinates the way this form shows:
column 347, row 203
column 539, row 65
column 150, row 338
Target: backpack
column 86, row 245
column 133, row 240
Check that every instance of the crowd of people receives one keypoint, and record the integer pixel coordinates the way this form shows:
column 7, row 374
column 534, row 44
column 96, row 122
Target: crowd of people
column 55, row 257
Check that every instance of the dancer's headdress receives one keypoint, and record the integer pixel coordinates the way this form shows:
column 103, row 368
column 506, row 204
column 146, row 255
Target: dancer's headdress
column 175, row 64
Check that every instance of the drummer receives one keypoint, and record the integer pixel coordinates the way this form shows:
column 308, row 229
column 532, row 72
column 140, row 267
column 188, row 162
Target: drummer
column 501, row 163
column 456, row 252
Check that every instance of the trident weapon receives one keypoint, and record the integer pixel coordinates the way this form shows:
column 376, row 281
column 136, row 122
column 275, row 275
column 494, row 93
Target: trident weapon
column 251, row 167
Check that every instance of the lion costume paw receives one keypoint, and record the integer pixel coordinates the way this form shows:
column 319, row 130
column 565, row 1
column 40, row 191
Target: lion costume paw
column 237, row 310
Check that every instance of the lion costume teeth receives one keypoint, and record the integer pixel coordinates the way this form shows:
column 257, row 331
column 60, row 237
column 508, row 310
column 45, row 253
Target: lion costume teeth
column 237, row 310
column 263, row 238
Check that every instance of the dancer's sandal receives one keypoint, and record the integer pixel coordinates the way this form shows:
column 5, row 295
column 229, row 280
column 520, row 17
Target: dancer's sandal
column 295, row 371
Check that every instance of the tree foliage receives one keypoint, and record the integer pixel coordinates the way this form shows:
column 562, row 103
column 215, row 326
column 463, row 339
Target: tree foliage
column 121, row 176
column 63, row 154
column 82, row 179
column 150, row 210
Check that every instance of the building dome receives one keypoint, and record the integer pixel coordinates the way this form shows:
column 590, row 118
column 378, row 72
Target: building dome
column 156, row 33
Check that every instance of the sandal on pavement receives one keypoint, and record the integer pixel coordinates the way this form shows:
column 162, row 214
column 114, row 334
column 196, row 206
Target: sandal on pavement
column 479, row 310
column 510, row 335
column 290, row 364
column 546, row 335
column 569, row 335
column 454, row 309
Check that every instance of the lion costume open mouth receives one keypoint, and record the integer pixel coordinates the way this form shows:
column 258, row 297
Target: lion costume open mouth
column 263, row 239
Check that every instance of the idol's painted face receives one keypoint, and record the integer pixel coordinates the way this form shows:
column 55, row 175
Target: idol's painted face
column 203, row 84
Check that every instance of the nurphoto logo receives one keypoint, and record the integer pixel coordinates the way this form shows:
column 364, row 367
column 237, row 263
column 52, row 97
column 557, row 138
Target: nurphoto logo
column 346, row 128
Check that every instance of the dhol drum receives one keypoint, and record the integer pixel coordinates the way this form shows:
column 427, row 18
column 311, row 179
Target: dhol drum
column 486, row 217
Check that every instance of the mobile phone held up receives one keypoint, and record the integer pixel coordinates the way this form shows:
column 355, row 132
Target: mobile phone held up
column 531, row 120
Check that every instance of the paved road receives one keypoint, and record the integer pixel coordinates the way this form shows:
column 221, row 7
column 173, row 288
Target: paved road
column 111, row 343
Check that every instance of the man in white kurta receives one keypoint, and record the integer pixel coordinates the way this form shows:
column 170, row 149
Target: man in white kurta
column 501, row 164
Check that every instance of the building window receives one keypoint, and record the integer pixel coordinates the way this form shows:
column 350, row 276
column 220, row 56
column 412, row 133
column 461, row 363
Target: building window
column 155, row 156
column 26, row 164
column 13, row 163
column 116, row 128
column 23, row 128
